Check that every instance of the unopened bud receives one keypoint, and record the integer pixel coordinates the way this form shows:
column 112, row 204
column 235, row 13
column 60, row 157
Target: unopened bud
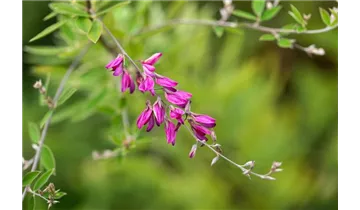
column 214, row 160
column 277, row 164
column 332, row 18
column 307, row 16
column 213, row 136
column 188, row 107
column 278, row 170
column 268, row 178
column 37, row 84
column 269, row 5
column 193, row 151
column 227, row 2
column 250, row 164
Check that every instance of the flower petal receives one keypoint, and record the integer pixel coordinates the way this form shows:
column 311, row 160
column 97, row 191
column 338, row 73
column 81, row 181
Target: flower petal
column 153, row 59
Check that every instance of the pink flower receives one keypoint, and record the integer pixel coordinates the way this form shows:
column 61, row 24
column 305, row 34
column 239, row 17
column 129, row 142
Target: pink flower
column 199, row 130
column 152, row 59
column 179, row 98
column 204, row 120
column 127, row 82
column 147, row 85
column 145, row 116
column 148, row 69
column 177, row 113
column 116, row 65
column 193, row 151
column 151, row 123
column 170, row 132
column 165, row 82
column 159, row 111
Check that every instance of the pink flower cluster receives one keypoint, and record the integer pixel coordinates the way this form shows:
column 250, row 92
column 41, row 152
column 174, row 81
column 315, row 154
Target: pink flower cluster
column 156, row 113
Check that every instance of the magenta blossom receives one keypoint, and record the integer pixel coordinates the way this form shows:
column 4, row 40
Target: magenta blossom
column 193, row 151
column 151, row 123
column 152, row 59
column 179, row 98
column 199, row 130
column 170, row 132
column 148, row 69
column 159, row 111
column 127, row 82
column 177, row 113
column 165, row 82
column 147, row 85
column 204, row 120
column 116, row 65
column 145, row 116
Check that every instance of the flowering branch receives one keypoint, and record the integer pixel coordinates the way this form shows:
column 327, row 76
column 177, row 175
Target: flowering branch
column 48, row 121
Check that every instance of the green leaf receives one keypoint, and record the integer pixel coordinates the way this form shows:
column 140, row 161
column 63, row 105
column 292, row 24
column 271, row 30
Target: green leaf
column 95, row 31
column 269, row 14
column 45, row 50
column 68, row 9
column 110, row 6
column 325, row 16
column 34, row 132
column 48, row 30
column 296, row 15
column 59, row 195
column 285, row 43
column 47, row 158
column 30, row 202
column 267, row 37
column 243, row 14
column 219, row 31
column 84, row 24
column 66, row 95
column 49, row 16
column 258, row 7
column 45, row 118
column 29, row 178
column 42, row 179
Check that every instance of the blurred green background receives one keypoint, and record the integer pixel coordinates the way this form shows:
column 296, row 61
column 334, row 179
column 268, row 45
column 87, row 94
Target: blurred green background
column 270, row 104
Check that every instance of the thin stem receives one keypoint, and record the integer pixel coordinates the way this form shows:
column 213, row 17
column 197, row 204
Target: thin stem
column 57, row 95
column 126, row 122
column 34, row 193
column 233, row 25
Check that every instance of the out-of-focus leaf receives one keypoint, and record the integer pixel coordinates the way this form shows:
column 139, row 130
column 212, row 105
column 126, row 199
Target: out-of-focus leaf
column 48, row 30
column 243, row 14
column 95, row 31
column 30, row 177
column 258, row 7
column 42, row 179
column 59, row 195
column 267, row 37
column 44, row 50
column 45, row 118
column 285, row 43
column 84, row 24
column 110, row 6
column 325, row 16
column 219, row 31
column 68, row 9
column 34, row 132
column 47, row 158
column 271, row 13
column 295, row 13
column 30, row 202
column 149, row 33
column 291, row 26
column 67, row 93
column 49, row 16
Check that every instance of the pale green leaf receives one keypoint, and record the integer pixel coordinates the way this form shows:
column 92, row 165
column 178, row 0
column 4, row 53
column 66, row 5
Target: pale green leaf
column 59, row 195
column 110, row 6
column 325, row 16
column 68, row 9
column 67, row 93
column 42, row 179
column 84, row 24
column 48, row 30
column 47, row 158
column 95, row 31
column 258, row 7
column 49, row 16
column 34, row 132
column 29, row 178
column 285, row 43
column 45, row 50
column 219, row 31
column 243, row 14
column 296, row 15
column 267, row 37
column 271, row 13
column 45, row 118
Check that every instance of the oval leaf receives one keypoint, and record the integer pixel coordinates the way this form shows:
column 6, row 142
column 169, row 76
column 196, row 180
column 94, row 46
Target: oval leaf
column 66, row 95
column 49, row 16
column 95, row 31
column 110, row 6
column 29, row 178
column 59, row 195
column 219, row 31
column 30, row 201
column 84, row 24
column 42, row 179
column 44, row 50
column 325, row 16
column 68, row 9
column 258, row 7
column 34, row 132
column 269, row 14
column 296, row 15
column 47, row 158
column 267, row 37
column 48, row 30
column 244, row 14
column 285, row 43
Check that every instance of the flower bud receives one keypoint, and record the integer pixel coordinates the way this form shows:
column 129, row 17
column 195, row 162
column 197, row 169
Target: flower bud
column 214, row 160
column 37, row 84
column 193, row 151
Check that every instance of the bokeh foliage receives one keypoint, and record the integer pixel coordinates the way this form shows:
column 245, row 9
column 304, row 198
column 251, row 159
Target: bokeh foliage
column 270, row 104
